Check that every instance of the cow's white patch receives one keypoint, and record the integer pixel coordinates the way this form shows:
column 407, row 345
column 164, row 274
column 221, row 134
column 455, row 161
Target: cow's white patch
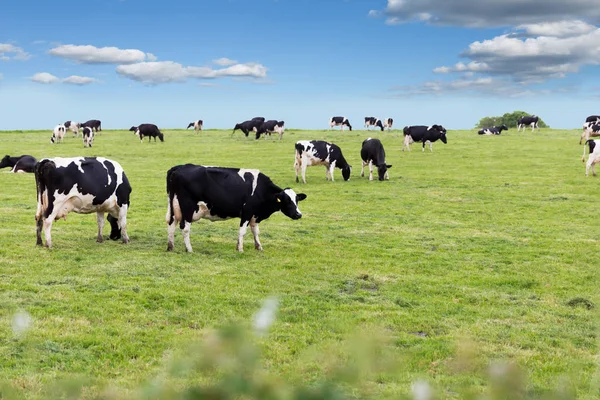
column 254, row 173
column 204, row 212
column 292, row 195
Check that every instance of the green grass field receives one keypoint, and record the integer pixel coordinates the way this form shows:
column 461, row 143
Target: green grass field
column 484, row 250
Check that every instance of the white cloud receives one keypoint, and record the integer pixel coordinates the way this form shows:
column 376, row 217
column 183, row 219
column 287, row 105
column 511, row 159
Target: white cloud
column 44, row 77
column 374, row 13
column 100, row 55
column 556, row 29
column 12, row 52
column 224, row 62
column 473, row 66
column 78, row 80
column 490, row 13
column 169, row 71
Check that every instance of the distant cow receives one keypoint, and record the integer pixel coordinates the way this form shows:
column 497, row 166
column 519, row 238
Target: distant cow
column 94, row 124
column 594, row 157
column 248, row 126
column 58, row 134
column 372, row 153
column 88, row 136
column 590, row 129
column 388, row 123
column 369, row 121
column 149, row 130
column 217, row 193
column 23, row 163
column 528, row 121
column 340, row 121
column 423, row 134
column 196, row 124
column 319, row 152
column 73, row 126
column 494, row 130
column 268, row 127
column 83, row 185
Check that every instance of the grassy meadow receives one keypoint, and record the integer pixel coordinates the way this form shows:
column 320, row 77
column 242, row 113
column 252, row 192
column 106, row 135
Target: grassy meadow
column 485, row 250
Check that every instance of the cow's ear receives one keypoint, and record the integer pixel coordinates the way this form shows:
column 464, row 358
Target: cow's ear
column 389, row 165
column 300, row 196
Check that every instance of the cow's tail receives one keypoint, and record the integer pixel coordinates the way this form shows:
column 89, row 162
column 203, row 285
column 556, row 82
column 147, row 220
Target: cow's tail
column 591, row 144
column 406, row 130
column 43, row 171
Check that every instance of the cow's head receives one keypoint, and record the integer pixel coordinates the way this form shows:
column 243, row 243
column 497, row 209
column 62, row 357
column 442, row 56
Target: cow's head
column 288, row 200
column 346, row 171
column 504, row 127
column 133, row 129
column 5, row 162
column 348, row 124
column 115, row 231
column 382, row 169
column 161, row 137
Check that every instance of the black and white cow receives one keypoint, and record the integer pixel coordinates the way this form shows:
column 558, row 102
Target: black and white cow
column 23, row 163
column 88, row 136
column 83, row 185
column 594, row 157
column 340, row 121
column 196, row 124
column 388, row 123
column 593, row 118
column 217, row 193
column 268, row 127
column 58, row 134
column 590, row 129
column 248, row 126
column 528, row 121
column 369, row 121
column 423, row 134
column 319, row 152
column 494, row 130
column 94, row 124
column 149, row 130
column 372, row 153
column 73, row 127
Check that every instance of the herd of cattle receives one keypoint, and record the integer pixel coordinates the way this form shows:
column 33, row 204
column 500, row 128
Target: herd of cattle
column 98, row 185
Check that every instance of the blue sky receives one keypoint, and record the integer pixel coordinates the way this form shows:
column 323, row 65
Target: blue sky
column 127, row 62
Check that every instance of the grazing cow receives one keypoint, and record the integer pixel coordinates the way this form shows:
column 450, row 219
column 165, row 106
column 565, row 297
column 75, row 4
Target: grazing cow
column 83, row 185
column 590, row 129
column 73, row 127
column 388, row 123
column 196, row 124
column 372, row 153
column 58, row 134
column 423, row 134
column 319, row 152
column 369, row 121
column 149, row 130
column 23, row 163
column 594, row 157
column 88, row 136
column 340, row 121
column 593, row 118
column 247, row 126
column 217, row 193
column 269, row 127
column 494, row 130
column 528, row 121
column 94, row 124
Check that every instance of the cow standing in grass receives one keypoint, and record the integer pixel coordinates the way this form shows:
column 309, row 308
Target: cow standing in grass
column 196, row 124
column 73, row 127
column 95, row 124
column 319, row 152
column 83, row 185
column 527, row 120
column 215, row 193
column 88, row 136
column 58, row 134
column 339, row 121
column 372, row 153
column 594, row 157
column 149, row 130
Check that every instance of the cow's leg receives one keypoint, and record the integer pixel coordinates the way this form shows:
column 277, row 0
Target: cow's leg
column 255, row 232
column 122, row 221
column 330, row 169
column 100, row 219
column 186, row 236
column 48, row 230
column 38, row 225
column 171, row 234
column 296, row 167
column 304, row 172
column 243, row 228
column 431, row 147
column 362, row 170
column 371, row 170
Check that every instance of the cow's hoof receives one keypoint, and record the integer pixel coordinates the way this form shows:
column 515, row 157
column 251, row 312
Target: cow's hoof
column 125, row 241
column 100, row 239
column 259, row 248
